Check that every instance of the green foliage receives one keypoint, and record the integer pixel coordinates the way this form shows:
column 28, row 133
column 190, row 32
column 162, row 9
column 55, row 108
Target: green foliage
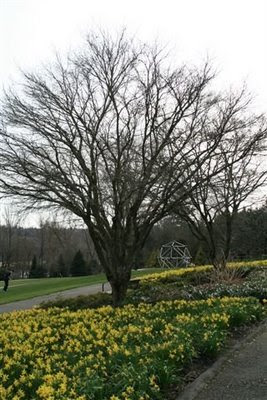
column 252, row 281
column 204, row 272
column 200, row 256
column 37, row 271
column 152, row 260
column 60, row 269
column 176, row 275
column 244, row 289
column 250, row 233
column 94, row 267
column 146, row 346
column 132, row 352
column 78, row 265
column 80, row 302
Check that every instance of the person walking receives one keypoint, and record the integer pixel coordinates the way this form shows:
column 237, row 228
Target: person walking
column 7, row 276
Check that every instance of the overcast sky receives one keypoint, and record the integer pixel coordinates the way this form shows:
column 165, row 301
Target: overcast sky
column 233, row 33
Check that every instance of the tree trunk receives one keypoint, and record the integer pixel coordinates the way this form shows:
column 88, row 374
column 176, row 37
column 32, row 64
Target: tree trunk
column 229, row 233
column 217, row 257
column 116, row 251
column 119, row 289
column 219, row 262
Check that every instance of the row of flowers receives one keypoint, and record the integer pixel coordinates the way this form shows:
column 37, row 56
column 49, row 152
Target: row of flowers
column 172, row 274
column 116, row 354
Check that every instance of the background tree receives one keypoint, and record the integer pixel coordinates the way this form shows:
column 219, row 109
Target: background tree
column 42, row 243
column 212, row 208
column 200, row 257
column 19, row 245
column 170, row 229
column 9, row 238
column 250, row 233
column 33, row 270
column 78, row 265
column 111, row 134
column 93, row 267
column 62, row 267
column 37, row 270
column 58, row 268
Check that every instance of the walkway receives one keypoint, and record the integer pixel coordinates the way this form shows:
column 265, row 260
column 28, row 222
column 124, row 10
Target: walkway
column 239, row 375
column 29, row 303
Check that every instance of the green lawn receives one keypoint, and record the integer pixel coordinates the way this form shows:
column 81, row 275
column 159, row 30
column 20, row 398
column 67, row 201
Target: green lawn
column 22, row 289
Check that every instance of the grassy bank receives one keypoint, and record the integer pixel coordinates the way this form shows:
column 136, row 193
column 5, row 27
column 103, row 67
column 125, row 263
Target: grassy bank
column 22, row 289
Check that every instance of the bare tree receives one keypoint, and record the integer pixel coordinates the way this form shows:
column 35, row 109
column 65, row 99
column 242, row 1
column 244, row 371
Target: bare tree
column 111, row 135
column 26, row 247
column 56, row 239
column 9, row 237
column 212, row 208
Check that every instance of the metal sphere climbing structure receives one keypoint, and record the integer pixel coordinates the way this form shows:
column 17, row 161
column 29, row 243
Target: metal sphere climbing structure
column 173, row 255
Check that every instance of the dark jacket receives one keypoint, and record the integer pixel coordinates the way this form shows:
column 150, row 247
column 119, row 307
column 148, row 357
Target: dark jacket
column 7, row 275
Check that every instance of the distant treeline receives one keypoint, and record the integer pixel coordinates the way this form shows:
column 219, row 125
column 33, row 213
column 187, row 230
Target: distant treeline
column 50, row 250
column 53, row 250
column 249, row 237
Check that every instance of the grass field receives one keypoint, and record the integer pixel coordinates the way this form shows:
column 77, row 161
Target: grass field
column 22, row 289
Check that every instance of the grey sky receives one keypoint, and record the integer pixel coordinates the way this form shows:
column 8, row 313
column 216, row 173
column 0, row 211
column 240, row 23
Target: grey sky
column 232, row 32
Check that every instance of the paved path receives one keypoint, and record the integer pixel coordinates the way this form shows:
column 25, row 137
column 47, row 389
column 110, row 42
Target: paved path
column 29, row 303
column 240, row 375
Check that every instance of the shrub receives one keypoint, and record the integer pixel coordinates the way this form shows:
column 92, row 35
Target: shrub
column 201, row 286
column 80, row 302
column 245, row 289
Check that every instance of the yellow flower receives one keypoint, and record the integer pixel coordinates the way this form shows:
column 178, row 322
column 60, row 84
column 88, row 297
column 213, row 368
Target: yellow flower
column 62, row 388
column 129, row 390
column 2, row 392
column 45, row 391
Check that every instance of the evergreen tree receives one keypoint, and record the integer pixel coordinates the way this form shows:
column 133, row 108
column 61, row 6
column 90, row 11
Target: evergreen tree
column 78, row 265
column 37, row 271
column 93, row 267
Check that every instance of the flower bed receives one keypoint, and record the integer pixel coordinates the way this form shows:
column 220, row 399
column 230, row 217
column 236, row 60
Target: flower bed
column 172, row 275
column 125, row 353
column 253, row 285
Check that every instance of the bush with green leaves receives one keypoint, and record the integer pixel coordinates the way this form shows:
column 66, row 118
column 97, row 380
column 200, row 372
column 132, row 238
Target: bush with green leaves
column 80, row 302
column 202, row 286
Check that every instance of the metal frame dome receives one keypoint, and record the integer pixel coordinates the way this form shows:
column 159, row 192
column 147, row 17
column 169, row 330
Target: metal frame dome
column 174, row 254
